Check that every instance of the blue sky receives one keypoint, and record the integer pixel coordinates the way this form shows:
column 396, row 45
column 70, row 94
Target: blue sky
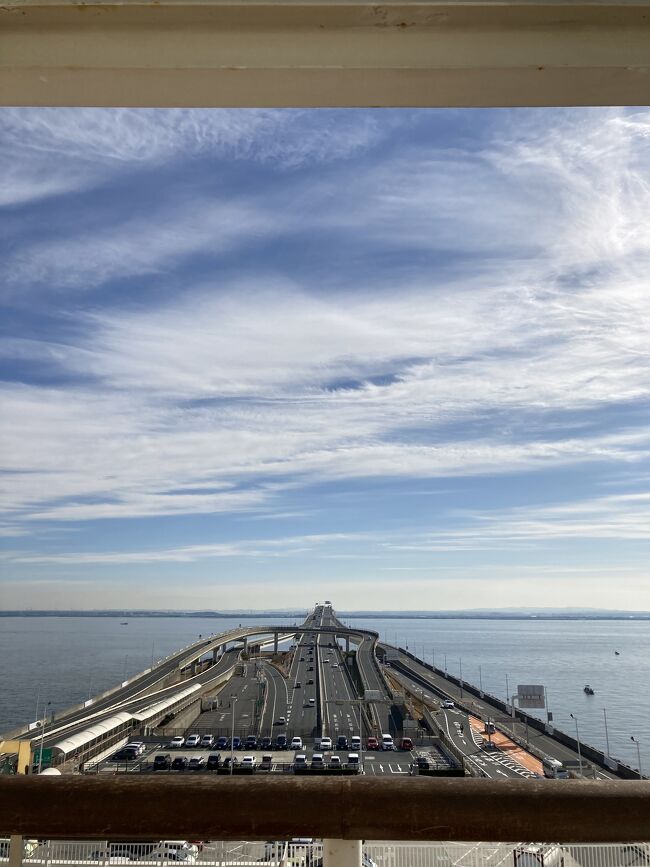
column 397, row 359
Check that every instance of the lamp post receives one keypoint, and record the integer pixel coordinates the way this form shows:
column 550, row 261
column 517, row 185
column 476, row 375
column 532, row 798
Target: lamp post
column 575, row 719
column 233, row 702
column 460, row 668
column 606, row 732
column 638, row 754
column 40, row 752
column 507, row 692
column 480, row 679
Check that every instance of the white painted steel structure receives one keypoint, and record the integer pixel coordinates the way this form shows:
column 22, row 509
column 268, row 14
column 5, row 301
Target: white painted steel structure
column 324, row 52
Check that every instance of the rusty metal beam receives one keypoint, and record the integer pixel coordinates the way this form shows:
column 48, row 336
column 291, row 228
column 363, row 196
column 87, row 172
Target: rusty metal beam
column 323, row 53
column 224, row 808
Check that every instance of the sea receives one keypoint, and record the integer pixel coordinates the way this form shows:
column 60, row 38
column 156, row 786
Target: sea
column 56, row 662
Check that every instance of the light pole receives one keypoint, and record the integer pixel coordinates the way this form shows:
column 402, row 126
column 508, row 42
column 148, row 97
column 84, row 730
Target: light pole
column 233, row 701
column 575, row 719
column 445, row 665
column 480, row 679
column 606, row 732
column 638, row 755
column 460, row 667
column 507, row 692
column 40, row 752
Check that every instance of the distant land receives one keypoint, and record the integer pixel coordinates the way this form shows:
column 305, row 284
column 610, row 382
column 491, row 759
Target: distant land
column 463, row 614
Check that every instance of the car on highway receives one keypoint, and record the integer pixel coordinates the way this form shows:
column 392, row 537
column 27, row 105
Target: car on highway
column 335, row 665
column 310, row 668
column 236, row 743
column 387, row 742
column 355, row 743
column 297, row 685
column 311, row 702
column 214, row 760
column 281, row 721
column 341, row 742
column 372, row 744
column 248, row 762
column 179, row 763
column 448, row 703
column 251, row 742
column 162, row 762
column 406, row 744
column 281, row 742
column 266, row 743
column 207, row 741
column 310, row 683
column 193, row 741
column 177, row 742
column 296, row 743
column 196, row 764
column 326, row 743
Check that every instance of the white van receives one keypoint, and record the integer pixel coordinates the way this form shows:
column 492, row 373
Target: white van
column 355, row 743
column 387, row 742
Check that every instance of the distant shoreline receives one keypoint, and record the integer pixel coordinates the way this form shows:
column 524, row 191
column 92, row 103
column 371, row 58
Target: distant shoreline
column 365, row 615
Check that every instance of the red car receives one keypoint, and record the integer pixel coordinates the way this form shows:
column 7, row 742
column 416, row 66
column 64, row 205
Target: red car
column 406, row 744
column 372, row 744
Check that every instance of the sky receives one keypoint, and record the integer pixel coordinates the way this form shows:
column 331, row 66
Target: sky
column 253, row 358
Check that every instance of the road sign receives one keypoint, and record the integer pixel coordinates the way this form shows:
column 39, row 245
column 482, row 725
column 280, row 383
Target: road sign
column 531, row 695
column 373, row 695
column 47, row 756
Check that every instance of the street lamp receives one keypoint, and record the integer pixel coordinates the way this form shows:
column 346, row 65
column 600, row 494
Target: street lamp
column 233, row 701
column 638, row 754
column 606, row 732
column 575, row 719
column 40, row 752
column 460, row 666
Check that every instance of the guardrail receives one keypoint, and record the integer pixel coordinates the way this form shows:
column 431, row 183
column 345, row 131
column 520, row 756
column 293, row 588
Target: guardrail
column 359, row 808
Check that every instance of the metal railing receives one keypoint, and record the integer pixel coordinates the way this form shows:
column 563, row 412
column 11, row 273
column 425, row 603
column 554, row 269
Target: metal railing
column 309, row 853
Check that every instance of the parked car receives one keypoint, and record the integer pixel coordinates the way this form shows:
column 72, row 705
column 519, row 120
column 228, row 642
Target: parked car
column 387, row 742
column 177, row 742
column 196, row 764
column 162, row 762
column 300, row 761
column 281, row 742
column 179, row 763
column 267, row 762
column 422, row 763
column 193, row 741
column 227, row 762
column 251, row 742
column 266, row 744
column 406, row 744
column 125, row 755
column 173, row 850
column 317, row 760
column 236, row 743
column 207, row 741
column 372, row 744
column 335, row 762
column 296, row 743
column 353, row 760
column 341, row 742
column 326, row 743
column 214, row 760
column 138, row 746
column 248, row 762
column 222, row 743
column 355, row 743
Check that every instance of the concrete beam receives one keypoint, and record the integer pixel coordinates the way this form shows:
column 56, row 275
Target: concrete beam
column 324, row 53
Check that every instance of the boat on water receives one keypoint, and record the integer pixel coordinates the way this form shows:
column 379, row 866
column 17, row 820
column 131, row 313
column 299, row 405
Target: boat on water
column 126, row 623
column 588, row 690
column 616, row 653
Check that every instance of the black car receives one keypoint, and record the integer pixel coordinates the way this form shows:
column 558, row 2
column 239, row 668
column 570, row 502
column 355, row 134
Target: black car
column 422, row 763
column 226, row 761
column 341, row 742
column 222, row 743
column 179, row 763
column 281, row 742
column 251, row 742
column 125, row 756
column 214, row 761
column 310, row 682
column 266, row 744
column 236, row 743
column 162, row 762
column 197, row 764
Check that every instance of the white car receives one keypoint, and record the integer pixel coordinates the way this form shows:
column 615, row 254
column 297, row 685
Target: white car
column 387, row 742
column 173, row 850
column 448, row 703
column 193, row 741
column 335, row 665
column 177, row 742
column 138, row 746
column 207, row 741
column 296, row 743
column 300, row 760
column 326, row 743
column 335, row 761
column 248, row 762
column 355, row 743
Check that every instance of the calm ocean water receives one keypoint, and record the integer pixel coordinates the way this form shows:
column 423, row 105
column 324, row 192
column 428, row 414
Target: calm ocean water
column 66, row 659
